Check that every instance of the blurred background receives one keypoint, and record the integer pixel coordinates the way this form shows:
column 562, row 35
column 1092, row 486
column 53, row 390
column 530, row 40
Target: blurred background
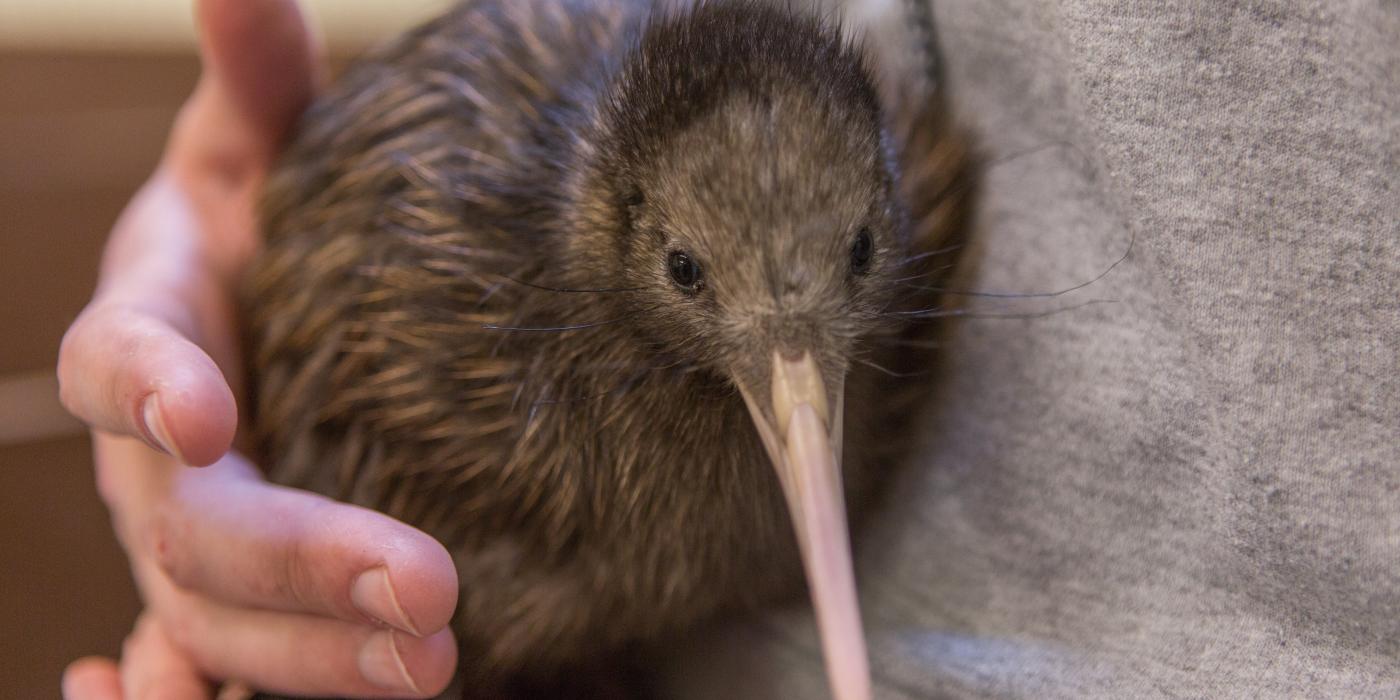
column 88, row 89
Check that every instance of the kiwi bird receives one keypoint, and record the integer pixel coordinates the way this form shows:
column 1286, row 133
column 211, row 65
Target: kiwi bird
column 602, row 296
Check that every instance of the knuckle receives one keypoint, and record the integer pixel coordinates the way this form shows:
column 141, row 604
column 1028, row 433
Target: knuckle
column 281, row 569
column 296, row 562
column 165, row 528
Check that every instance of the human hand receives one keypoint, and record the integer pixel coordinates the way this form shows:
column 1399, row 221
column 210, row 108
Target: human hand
column 281, row 589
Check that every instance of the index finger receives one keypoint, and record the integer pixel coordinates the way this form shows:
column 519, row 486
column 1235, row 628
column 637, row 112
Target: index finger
column 235, row 538
column 150, row 355
column 138, row 360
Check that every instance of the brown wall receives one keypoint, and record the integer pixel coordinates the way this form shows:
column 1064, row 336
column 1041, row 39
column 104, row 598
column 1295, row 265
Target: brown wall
column 78, row 133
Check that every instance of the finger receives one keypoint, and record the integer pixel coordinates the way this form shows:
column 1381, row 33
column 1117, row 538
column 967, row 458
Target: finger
column 261, row 63
column 304, row 655
column 240, row 540
column 300, row 654
column 127, row 371
column 92, row 678
column 153, row 668
column 261, row 68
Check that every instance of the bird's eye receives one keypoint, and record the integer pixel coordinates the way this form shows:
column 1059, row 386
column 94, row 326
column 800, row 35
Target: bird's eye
column 861, row 251
column 685, row 272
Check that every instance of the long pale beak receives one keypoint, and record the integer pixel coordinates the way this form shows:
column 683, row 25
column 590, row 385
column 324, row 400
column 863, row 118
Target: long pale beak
column 804, row 443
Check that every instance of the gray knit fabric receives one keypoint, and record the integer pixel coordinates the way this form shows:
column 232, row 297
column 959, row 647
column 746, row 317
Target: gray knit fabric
column 1192, row 490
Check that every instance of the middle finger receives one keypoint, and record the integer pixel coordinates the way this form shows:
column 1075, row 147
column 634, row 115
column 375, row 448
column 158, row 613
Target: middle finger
column 298, row 654
column 228, row 534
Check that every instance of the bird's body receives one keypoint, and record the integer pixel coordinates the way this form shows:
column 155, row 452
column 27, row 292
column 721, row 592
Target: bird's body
column 446, row 324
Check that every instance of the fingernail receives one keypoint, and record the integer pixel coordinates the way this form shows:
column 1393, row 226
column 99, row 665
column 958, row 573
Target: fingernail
column 381, row 664
column 155, row 427
column 374, row 595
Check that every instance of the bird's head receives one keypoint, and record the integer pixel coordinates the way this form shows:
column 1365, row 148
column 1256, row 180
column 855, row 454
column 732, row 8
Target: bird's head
column 739, row 183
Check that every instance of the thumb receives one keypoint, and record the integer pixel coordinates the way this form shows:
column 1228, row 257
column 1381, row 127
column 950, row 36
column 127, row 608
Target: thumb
column 260, row 62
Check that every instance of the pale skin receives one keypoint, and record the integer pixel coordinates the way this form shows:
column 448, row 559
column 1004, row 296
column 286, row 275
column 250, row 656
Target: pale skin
column 241, row 580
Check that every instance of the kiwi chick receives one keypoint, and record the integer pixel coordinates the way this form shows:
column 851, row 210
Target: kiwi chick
column 524, row 272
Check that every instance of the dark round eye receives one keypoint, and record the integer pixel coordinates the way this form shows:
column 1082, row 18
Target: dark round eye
column 861, row 251
column 685, row 272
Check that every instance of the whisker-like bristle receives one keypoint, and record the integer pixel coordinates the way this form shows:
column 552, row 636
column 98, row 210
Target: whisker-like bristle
column 1026, row 295
column 937, row 271
column 911, row 259
column 885, row 370
column 933, row 314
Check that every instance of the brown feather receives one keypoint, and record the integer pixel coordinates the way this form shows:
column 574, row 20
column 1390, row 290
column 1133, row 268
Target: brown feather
column 461, row 191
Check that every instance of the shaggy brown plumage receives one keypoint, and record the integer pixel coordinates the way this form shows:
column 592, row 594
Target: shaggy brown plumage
column 464, row 316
